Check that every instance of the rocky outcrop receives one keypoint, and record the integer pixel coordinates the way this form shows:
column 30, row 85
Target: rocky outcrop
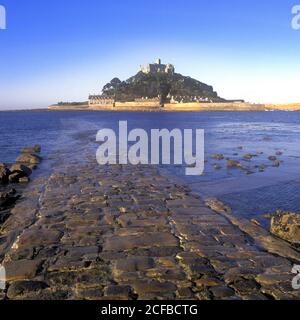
column 21, row 171
column 7, row 198
column 17, row 173
column 154, row 85
column 286, row 225
column 28, row 158
column 4, row 173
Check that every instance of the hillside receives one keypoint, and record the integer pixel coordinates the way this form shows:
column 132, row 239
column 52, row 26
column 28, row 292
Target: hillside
column 152, row 85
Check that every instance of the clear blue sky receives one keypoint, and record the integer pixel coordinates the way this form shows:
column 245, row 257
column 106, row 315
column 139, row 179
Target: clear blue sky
column 57, row 50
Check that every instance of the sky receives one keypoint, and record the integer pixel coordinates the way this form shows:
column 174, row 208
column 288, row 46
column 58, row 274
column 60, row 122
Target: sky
column 64, row 50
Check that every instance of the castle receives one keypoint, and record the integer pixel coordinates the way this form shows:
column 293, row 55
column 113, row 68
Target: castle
column 158, row 67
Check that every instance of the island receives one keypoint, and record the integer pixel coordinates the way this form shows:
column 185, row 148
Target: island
column 157, row 87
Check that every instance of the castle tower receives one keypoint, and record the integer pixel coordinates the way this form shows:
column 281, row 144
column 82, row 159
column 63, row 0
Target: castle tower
column 158, row 61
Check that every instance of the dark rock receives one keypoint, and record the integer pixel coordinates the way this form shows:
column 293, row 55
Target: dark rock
column 118, row 291
column 19, row 173
column 14, row 177
column 144, row 286
column 248, row 156
column 21, row 169
column 276, row 163
column 8, row 198
column 286, row 225
column 272, row 158
column 21, row 288
column 4, row 174
column 222, row 292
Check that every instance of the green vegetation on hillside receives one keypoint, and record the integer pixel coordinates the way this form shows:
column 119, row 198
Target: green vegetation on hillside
column 160, row 84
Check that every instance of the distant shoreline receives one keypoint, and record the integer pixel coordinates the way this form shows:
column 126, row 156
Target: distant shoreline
column 184, row 107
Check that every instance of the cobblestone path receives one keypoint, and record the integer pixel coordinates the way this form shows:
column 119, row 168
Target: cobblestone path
column 126, row 232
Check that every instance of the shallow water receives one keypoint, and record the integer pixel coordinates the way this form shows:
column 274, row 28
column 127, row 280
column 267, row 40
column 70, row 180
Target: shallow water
column 261, row 133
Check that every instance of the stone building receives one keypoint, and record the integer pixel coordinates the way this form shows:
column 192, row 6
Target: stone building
column 99, row 100
column 158, row 67
column 189, row 99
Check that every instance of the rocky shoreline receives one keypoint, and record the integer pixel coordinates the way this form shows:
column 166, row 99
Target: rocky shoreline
column 127, row 232
column 13, row 178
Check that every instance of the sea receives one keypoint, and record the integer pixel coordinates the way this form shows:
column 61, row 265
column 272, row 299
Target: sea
column 252, row 193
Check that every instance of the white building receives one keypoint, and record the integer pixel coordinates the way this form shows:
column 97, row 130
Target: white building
column 158, row 67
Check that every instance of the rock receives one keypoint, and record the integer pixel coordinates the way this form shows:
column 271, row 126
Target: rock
column 21, row 269
column 233, row 164
column 4, row 174
column 248, row 156
column 286, row 225
column 8, row 198
column 149, row 240
column 254, row 221
column 144, row 286
column 32, row 166
column 279, row 153
column 14, row 177
column 33, row 149
column 117, row 291
column 134, row 264
column 208, row 282
column 272, row 158
column 20, row 289
column 261, row 167
column 19, row 173
column 28, row 158
column 21, row 169
column 217, row 157
column 222, row 292
column 24, row 180
column 276, row 164
column 36, row 237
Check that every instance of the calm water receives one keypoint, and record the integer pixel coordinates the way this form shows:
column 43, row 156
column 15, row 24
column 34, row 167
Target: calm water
column 258, row 133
